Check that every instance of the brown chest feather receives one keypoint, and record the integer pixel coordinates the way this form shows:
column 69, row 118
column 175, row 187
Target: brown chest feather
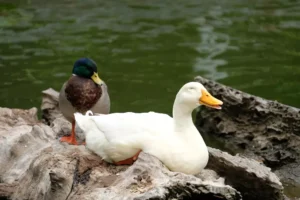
column 82, row 93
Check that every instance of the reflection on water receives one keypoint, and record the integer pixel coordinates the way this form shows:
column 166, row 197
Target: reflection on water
column 147, row 49
column 150, row 48
column 212, row 44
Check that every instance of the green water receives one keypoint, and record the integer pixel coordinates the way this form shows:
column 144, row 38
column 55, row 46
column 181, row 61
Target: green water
column 146, row 50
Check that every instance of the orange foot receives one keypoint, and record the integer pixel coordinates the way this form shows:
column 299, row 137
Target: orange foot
column 72, row 138
column 129, row 161
column 69, row 139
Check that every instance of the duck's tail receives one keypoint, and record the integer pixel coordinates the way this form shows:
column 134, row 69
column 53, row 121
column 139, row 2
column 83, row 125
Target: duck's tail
column 85, row 122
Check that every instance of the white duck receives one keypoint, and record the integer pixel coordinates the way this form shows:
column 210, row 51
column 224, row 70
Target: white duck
column 119, row 137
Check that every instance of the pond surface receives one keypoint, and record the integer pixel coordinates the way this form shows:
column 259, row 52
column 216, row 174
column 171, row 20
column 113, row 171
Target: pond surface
column 146, row 50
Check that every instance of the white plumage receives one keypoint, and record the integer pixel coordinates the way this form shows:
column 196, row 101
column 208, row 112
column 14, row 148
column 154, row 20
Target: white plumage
column 175, row 141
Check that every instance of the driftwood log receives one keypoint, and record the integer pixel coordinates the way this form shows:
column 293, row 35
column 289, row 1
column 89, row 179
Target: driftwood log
column 255, row 127
column 35, row 165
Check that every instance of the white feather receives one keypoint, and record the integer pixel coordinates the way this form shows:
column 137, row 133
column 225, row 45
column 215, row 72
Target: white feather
column 175, row 141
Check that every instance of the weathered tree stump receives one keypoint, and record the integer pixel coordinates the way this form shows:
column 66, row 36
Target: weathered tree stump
column 35, row 165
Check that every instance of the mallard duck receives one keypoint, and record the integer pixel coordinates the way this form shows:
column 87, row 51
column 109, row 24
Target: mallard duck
column 119, row 137
column 82, row 92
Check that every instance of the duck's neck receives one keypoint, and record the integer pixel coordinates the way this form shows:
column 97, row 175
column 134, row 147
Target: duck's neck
column 185, row 128
column 182, row 116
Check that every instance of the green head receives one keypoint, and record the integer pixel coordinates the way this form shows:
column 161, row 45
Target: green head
column 87, row 68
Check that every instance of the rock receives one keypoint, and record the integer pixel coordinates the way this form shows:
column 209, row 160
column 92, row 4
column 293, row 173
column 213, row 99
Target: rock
column 35, row 165
column 251, row 178
column 50, row 106
column 6, row 190
column 265, row 130
column 22, row 138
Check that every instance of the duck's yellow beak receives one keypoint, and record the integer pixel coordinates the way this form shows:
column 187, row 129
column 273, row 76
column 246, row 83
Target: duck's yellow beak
column 210, row 101
column 96, row 79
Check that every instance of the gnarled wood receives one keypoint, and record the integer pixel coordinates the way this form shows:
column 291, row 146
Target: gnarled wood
column 35, row 165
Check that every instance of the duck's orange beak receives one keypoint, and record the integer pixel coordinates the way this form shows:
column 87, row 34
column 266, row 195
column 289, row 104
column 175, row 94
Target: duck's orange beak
column 209, row 101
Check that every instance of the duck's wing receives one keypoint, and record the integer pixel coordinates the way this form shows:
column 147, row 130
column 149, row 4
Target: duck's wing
column 65, row 106
column 124, row 134
column 119, row 126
